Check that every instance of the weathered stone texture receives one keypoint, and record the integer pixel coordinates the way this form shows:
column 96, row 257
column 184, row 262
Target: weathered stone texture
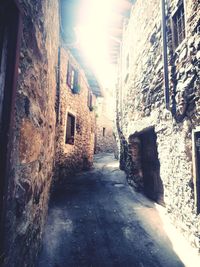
column 31, row 162
column 73, row 158
column 30, row 143
column 105, row 140
column 141, row 103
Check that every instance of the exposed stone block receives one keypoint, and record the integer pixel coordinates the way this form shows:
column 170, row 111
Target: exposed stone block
column 30, row 142
column 30, row 165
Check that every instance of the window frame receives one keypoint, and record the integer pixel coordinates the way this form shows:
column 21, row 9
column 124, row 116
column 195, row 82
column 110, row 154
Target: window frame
column 72, row 77
column 104, row 131
column 196, row 170
column 175, row 30
column 70, row 139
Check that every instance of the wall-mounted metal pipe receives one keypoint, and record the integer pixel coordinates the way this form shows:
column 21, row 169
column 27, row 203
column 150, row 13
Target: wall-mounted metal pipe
column 165, row 55
column 57, row 107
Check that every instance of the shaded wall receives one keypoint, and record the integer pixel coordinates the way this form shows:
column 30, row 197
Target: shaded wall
column 30, row 165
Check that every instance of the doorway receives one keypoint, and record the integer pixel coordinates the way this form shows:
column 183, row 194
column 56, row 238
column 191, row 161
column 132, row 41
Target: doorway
column 153, row 186
column 9, row 43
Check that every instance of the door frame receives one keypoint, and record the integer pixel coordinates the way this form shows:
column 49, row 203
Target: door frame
column 12, row 62
column 156, row 192
column 196, row 169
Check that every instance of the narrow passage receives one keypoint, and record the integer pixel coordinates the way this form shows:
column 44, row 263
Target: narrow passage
column 97, row 220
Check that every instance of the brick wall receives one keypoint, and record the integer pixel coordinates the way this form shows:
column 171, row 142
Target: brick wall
column 141, row 103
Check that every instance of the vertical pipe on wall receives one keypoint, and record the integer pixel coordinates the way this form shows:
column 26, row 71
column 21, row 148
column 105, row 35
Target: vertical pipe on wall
column 165, row 60
column 57, row 104
column 58, row 89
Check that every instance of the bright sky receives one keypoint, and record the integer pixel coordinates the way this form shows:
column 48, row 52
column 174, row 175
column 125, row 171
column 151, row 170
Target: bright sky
column 93, row 36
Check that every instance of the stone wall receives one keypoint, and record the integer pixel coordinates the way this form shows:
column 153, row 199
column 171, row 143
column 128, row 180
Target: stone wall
column 30, row 166
column 141, row 103
column 105, row 140
column 72, row 158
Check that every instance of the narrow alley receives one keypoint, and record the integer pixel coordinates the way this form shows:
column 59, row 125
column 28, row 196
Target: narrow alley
column 99, row 133
column 97, row 219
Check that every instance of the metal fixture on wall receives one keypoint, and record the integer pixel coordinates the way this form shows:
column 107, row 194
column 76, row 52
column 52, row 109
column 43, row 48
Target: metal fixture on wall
column 165, row 56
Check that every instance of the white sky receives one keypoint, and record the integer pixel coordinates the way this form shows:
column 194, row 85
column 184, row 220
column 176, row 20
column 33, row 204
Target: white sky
column 92, row 29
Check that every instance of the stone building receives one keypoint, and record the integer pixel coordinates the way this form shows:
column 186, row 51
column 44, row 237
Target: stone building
column 76, row 121
column 77, row 91
column 158, row 107
column 28, row 58
column 105, row 141
column 37, row 101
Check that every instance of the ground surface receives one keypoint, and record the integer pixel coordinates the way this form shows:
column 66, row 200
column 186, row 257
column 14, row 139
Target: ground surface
column 97, row 220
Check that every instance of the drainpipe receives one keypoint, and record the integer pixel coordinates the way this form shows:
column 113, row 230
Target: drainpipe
column 58, row 89
column 165, row 56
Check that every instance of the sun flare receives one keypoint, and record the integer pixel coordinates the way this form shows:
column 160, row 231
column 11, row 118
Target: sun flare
column 93, row 36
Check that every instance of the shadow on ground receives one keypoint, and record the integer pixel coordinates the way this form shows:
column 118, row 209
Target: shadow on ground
column 97, row 220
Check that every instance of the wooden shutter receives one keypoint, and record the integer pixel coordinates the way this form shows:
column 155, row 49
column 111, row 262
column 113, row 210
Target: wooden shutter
column 69, row 74
column 75, row 85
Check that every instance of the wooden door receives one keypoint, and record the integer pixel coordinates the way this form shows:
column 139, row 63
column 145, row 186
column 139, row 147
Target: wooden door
column 153, row 186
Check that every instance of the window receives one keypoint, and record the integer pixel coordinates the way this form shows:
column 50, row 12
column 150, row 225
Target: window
column 72, row 78
column 104, row 131
column 178, row 21
column 70, row 129
column 90, row 105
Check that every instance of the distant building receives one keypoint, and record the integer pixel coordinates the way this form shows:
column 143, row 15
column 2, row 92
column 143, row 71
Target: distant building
column 76, row 118
column 105, row 140
column 158, row 107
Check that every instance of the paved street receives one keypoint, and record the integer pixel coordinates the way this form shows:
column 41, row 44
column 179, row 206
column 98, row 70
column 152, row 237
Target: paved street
column 97, row 220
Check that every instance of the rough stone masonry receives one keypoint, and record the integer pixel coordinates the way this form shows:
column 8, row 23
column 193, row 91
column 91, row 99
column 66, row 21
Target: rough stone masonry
column 33, row 134
column 37, row 139
column 74, row 157
column 141, row 104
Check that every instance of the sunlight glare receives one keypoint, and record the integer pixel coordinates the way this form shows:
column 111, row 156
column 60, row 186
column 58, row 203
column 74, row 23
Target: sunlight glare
column 92, row 33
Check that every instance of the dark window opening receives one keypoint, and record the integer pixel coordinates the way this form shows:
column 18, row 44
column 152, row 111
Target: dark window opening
column 104, row 131
column 72, row 78
column 178, row 21
column 196, row 164
column 70, row 129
